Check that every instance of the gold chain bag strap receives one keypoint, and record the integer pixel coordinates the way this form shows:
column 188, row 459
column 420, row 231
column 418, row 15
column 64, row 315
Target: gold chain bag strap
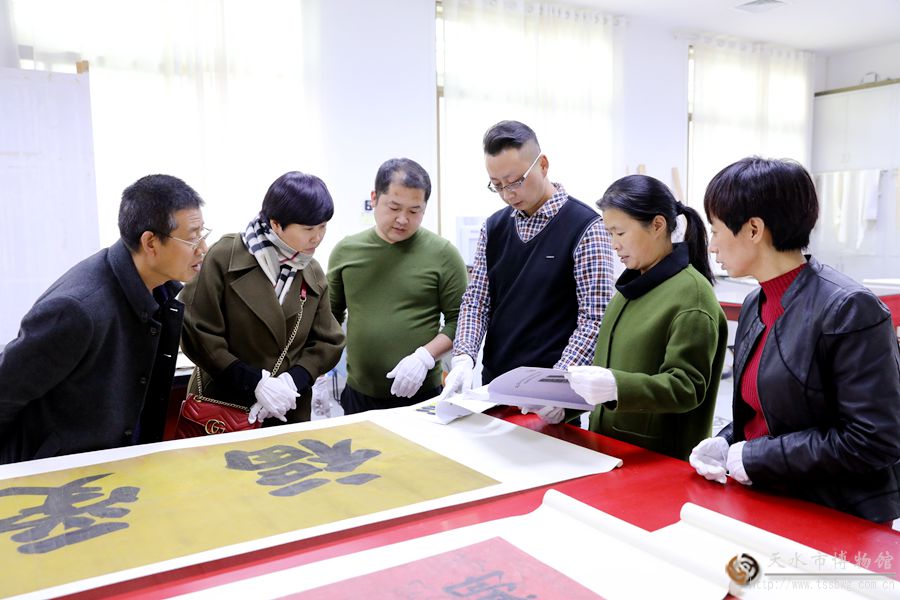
column 201, row 415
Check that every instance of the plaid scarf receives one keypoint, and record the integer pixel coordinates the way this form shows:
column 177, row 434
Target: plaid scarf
column 279, row 261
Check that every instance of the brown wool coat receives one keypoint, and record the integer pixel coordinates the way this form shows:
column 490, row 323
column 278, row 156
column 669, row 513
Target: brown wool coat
column 231, row 313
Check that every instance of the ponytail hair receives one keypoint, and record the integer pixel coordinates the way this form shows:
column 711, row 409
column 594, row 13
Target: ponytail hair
column 695, row 238
column 643, row 197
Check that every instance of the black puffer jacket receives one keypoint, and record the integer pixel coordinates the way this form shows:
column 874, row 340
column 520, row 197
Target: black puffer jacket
column 829, row 386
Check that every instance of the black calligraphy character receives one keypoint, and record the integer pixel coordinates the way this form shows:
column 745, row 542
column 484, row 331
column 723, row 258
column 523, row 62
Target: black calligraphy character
column 267, row 458
column 339, row 457
column 290, row 467
column 65, row 505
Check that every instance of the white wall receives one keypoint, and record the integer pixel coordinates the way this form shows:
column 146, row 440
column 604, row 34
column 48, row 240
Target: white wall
column 820, row 73
column 377, row 100
column 851, row 68
column 654, row 103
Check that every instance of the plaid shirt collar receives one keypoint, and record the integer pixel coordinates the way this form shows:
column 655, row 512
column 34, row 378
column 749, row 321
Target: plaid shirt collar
column 548, row 209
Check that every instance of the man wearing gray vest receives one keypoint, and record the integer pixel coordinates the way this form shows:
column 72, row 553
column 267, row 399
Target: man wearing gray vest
column 542, row 275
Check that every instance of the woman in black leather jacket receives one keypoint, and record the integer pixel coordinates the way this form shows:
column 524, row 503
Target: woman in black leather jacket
column 817, row 366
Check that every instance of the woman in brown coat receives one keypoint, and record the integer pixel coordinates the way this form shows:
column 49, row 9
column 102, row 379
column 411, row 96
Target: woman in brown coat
column 259, row 292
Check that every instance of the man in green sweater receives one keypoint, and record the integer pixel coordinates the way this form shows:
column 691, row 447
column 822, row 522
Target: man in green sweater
column 395, row 281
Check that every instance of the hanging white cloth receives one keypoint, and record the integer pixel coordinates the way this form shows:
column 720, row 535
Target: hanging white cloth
column 841, row 206
column 866, row 199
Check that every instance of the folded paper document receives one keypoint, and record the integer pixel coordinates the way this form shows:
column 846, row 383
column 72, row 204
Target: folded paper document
column 533, row 387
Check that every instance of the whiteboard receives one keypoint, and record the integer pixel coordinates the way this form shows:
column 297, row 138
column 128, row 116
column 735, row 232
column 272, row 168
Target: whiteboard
column 48, row 195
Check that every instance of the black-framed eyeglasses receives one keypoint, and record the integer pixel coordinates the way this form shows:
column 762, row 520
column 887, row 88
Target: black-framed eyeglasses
column 510, row 187
column 195, row 243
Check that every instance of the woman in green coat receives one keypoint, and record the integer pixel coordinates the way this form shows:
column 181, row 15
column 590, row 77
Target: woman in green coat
column 259, row 292
column 663, row 337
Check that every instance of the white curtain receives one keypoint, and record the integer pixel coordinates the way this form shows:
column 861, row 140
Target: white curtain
column 550, row 66
column 212, row 91
column 748, row 99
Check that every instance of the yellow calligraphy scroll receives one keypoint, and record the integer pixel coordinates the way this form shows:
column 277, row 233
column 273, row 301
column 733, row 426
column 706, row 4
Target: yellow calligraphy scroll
column 84, row 522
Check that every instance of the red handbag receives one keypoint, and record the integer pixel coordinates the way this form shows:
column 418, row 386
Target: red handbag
column 201, row 416
column 205, row 416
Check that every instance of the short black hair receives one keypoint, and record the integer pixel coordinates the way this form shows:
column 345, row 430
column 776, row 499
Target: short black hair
column 508, row 134
column 642, row 197
column 150, row 204
column 297, row 197
column 778, row 191
column 412, row 176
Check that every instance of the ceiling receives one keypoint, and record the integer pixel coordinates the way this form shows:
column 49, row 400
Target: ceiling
column 823, row 26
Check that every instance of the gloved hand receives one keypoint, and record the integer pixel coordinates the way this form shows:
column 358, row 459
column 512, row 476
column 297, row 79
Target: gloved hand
column 291, row 385
column 275, row 395
column 410, row 372
column 548, row 414
column 708, row 458
column 735, row 464
column 595, row 384
column 258, row 412
column 459, row 379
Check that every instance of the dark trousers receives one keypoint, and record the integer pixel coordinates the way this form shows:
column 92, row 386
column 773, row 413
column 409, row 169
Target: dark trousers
column 357, row 402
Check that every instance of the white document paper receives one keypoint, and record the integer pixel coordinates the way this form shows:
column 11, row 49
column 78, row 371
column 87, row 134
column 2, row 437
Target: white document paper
column 533, row 387
column 461, row 405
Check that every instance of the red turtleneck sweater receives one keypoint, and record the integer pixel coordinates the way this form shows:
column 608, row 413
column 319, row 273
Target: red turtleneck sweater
column 770, row 310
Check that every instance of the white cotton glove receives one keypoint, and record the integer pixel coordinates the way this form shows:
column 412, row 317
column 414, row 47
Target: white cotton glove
column 291, row 386
column 275, row 395
column 459, row 379
column 595, row 384
column 708, row 458
column 735, row 464
column 551, row 415
column 258, row 412
column 410, row 372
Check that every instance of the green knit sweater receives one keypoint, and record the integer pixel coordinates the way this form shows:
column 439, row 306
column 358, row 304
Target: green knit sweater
column 394, row 295
column 665, row 349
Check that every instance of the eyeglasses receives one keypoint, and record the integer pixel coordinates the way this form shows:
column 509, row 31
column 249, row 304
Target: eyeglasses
column 194, row 244
column 511, row 187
